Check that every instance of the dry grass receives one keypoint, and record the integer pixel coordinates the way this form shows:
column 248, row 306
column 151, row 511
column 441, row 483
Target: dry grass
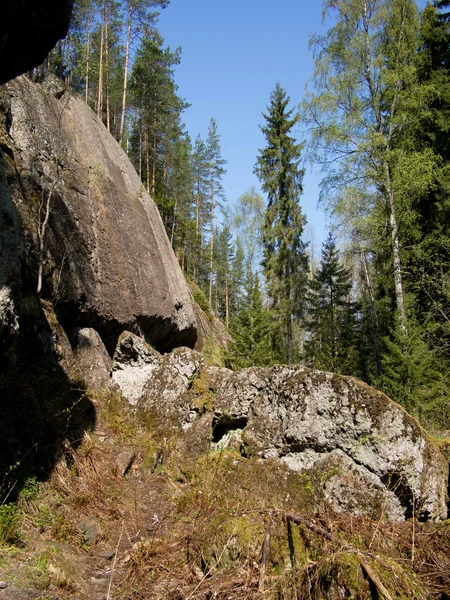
column 225, row 527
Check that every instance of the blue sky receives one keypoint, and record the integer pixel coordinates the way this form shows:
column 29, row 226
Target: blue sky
column 233, row 53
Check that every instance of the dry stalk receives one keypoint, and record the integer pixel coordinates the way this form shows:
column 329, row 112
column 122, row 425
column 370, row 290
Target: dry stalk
column 108, row 595
column 265, row 554
column 213, row 567
column 301, row 521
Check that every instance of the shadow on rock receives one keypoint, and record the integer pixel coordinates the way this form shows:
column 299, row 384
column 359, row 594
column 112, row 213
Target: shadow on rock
column 42, row 412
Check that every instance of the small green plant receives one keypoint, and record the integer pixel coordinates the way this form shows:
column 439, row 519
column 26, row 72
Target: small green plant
column 201, row 300
column 41, row 564
column 8, row 523
column 30, row 488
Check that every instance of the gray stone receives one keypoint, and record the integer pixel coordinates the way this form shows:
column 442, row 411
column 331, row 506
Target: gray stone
column 89, row 528
column 124, row 461
column 108, row 262
column 352, row 489
column 91, row 360
column 291, row 413
column 371, row 456
column 133, row 364
column 154, row 382
column 11, row 249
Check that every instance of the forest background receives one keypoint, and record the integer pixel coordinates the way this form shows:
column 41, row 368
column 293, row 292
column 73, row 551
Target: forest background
column 375, row 118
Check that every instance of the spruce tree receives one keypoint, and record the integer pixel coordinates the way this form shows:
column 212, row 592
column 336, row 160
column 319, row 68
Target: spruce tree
column 285, row 262
column 251, row 329
column 331, row 315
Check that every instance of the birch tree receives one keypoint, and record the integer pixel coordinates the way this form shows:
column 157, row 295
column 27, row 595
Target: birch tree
column 366, row 98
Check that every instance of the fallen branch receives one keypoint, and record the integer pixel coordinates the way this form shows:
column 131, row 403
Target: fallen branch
column 108, row 595
column 373, row 577
column 301, row 521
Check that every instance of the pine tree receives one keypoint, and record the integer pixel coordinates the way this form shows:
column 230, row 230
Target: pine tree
column 139, row 19
column 223, row 260
column 412, row 376
column 331, row 315
column 430, row 264
column 200, row 193
column 285, row 262
column 216, row 170
column 237, row 279
column 158, row 125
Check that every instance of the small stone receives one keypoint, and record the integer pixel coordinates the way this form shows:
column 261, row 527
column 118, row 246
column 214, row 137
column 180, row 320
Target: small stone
column 3, row 585
column 89, row 528
column 124, row 461
column 107, row 554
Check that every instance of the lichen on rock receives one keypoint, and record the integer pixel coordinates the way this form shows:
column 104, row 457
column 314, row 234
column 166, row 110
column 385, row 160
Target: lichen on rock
column 364, row 452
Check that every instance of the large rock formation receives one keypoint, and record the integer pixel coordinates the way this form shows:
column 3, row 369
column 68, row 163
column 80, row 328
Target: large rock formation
column 363, row 451
column 108, row 263
column 28, row 31
column 10, row 247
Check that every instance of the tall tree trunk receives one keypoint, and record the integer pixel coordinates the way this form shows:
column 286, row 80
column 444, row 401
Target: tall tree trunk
column 197, row 234
column 88, row 52
column 290, row 343
column 373, row 312
column 147, row 159
column 140, row 149
column 154, row 153
column 125, row 75
column 399, row 293
column 108, row 122
column 66, row 58
column 100, row 79
column 211, row 253
column 333, row 330
column 227, row 303
column 173, row 222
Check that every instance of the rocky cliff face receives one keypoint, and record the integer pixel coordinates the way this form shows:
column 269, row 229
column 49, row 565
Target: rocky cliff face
column 107, row 262
column 28, row 31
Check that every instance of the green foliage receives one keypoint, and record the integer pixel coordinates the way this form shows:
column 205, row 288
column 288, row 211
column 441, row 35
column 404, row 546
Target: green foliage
column 332, row 338
column 8, row 523
column 285, row 261
column 413, row 376
column 199, row 297
column 252, row 330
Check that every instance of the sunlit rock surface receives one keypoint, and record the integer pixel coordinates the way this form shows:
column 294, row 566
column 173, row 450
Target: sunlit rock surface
column 363, row 451
column 108, row 263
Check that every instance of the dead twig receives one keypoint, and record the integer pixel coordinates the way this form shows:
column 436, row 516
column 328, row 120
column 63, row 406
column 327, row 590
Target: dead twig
column 213, row 567
column 301, row 521
column 108, row 595
column 373, row 577
column 265, row 554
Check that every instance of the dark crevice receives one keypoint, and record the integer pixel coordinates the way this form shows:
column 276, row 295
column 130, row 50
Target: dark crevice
column 395, row 482
column 223, row 424
column 296, row 448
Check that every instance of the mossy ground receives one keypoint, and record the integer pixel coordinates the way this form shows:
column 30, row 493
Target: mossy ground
column 171, row 530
